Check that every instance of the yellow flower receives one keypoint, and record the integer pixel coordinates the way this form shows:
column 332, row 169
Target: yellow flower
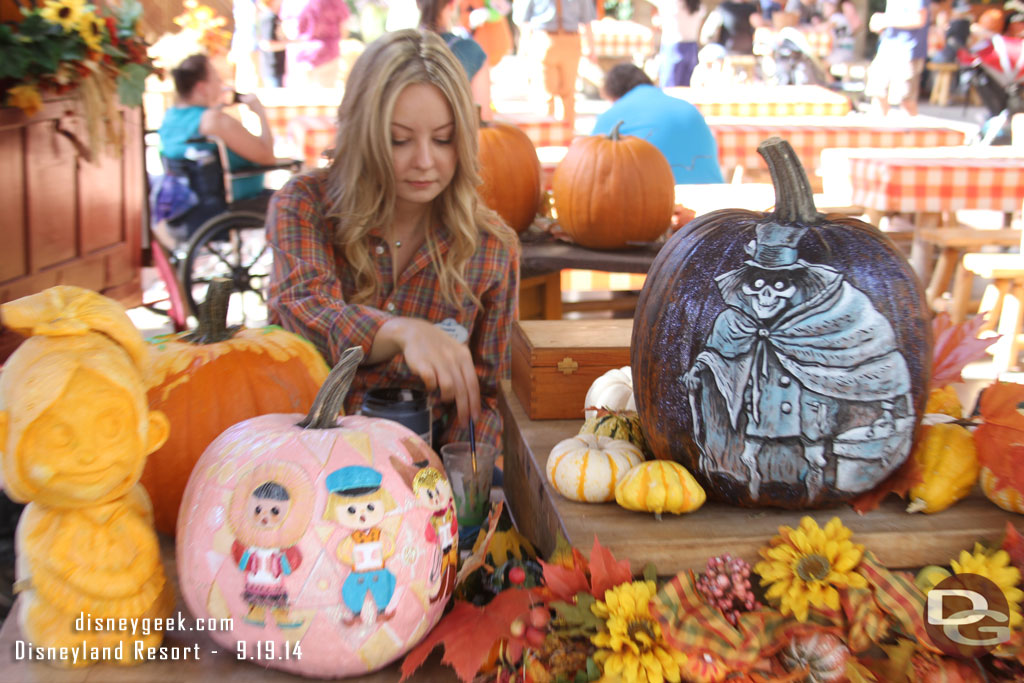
column 631, row 648
column 996, row 567
column 64, row 12
column 26, row 98
column 805, row 566
column 92, row 30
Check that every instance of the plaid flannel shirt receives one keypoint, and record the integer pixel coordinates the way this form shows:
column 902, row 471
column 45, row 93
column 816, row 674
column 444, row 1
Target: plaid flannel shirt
column 310, row 284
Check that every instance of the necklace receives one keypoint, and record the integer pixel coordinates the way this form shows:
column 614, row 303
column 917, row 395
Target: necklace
column 398, row 244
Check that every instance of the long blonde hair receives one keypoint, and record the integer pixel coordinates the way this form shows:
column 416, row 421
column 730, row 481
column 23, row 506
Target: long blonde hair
column 361, row 177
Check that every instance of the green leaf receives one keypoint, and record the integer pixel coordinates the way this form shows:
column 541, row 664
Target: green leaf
column 128, row 14
column 593, row 670
column 578, row 619
column 131, row 83
column 650, row 572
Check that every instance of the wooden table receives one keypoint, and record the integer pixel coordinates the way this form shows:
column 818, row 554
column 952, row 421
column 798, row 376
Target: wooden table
column 926, row 183
column 678, row 543
column 738, row 136
column 765, row 100
column 215, row 664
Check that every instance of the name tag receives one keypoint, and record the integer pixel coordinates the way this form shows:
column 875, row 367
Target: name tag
column 454, row 330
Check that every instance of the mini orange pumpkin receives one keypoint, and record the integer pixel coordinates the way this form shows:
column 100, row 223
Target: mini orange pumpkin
column 213, row 377
column 611, row 189
column 510, row 173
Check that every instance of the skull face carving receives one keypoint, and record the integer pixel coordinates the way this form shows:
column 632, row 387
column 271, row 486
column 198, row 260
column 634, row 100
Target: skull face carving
column 769, row 295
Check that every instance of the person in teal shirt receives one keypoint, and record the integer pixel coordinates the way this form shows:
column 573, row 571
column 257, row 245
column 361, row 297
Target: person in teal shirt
column 674, row 126
column 436, row 16
column 199, row 112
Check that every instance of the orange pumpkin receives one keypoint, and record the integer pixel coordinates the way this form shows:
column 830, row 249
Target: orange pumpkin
column 213, row 377
column 611, row 189
column 510, row 171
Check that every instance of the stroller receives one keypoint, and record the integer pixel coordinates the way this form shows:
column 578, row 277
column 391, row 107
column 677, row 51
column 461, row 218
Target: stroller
column 790, row 60
column 996, row 71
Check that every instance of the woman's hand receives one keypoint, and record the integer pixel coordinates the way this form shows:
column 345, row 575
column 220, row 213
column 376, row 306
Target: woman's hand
column 251, row 101
column 436, row 358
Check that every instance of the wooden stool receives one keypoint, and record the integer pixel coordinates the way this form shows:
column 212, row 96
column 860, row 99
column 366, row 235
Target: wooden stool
column 952, row 243
column 1003, row 302
column 943, row 83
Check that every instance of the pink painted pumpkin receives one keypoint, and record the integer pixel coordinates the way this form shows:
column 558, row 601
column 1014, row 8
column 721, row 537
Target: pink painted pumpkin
column 333, row 537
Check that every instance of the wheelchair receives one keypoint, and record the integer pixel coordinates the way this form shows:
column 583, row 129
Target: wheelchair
column 217, row 235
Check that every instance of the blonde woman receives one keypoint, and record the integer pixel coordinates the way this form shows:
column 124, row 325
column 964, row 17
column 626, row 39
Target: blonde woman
column 390, row 246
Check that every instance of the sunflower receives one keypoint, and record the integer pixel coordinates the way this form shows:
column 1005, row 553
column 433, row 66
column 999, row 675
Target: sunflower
column 996, row 567
column 92, row 29
column 805, row 566
column 25, row 97
column 631, row 648
column 64, row 12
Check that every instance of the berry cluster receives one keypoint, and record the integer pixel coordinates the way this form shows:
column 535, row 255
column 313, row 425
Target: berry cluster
column 725, row 584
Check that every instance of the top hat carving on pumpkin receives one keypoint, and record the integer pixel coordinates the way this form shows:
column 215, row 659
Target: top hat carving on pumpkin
column 775, row 247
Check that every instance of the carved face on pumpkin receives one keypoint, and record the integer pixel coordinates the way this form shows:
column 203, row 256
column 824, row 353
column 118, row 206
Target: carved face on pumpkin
column 769, row 292
column 432, row 490
column 269, row 505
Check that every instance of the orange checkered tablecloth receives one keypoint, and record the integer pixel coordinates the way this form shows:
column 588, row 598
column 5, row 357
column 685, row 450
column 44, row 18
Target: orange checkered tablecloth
column 615, row 38
column 280, row 117
column 927, row 180
column 738, row 137
column 543, row 130
column 765, row 100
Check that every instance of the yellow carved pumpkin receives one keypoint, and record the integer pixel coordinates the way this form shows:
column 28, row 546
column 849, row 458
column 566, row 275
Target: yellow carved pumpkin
column 74, row 432
column 659, row 486
column 587, row 467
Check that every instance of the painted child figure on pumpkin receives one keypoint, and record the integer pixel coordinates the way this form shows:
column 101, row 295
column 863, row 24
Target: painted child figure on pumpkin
column 358, row 502
column 433, row 491
column 266, row 568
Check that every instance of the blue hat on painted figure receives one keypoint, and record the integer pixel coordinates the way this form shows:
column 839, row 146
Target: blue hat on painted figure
column 354, row 480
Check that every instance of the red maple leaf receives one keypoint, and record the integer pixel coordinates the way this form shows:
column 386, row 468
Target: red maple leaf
column 564, row 582
column 605, row 571
column 1000, row 438
column 1013, row 543
column 954, row 347
column 468, row 633
column 899, row 482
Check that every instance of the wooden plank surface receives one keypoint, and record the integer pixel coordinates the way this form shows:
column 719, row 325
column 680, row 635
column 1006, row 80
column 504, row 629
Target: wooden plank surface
column 683, row 542
column 215, row 663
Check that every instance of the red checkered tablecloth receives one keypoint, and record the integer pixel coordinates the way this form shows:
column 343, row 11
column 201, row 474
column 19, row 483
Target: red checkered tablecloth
column 764, row 100
column 738, row 137
column 311, row 136
column 928, row 180
column 280, row 117
column 615, row 38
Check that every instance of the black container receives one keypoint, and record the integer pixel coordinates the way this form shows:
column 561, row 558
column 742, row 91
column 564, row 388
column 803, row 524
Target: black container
column 408, row 407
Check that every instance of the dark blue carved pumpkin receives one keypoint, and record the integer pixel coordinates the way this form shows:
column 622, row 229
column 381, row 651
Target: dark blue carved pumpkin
column 783, row 357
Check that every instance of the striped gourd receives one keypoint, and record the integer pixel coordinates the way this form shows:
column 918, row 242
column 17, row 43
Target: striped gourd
column 623, row 425
column 586, row 467
column 659, row 486
column 1005, row 496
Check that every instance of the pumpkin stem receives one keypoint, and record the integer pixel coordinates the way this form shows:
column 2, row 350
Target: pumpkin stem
column 213, row 315
column 329, row 400
column 794, row 200
column 615, row 135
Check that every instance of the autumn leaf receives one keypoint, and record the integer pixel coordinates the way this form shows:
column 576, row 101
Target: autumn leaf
column 468, row 633
column 605, row 571
column 955, row 346
column 1013, row 543
column 564, row 583
column 1000, row 438
column 484, row 540
column 899, row 482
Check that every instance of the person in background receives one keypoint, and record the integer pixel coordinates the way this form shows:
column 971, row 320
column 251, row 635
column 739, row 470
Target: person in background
column 809, row 13
column 390, row 247
column 554, row 28
column 680, row 28
column 270, row 45
column 199, row 112
column 436, row 16
column 894, row 76
column 487, row 21
column 314, row 30
column 731, row 24
column 843, row 20
column 674, row 126
column 243, row 53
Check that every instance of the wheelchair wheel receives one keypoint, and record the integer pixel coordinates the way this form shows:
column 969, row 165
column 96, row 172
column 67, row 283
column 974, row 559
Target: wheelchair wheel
column 233, row 246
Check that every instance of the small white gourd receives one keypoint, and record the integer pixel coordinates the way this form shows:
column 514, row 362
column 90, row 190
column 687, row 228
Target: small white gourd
column 612, row 390
column 587, row 467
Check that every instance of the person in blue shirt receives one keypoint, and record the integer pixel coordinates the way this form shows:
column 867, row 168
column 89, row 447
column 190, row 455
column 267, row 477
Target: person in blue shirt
column 894, row 76
column 199, row 112
column 674, row 126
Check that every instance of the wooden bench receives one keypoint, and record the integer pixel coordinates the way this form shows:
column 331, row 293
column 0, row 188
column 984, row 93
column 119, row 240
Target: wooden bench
column 1003, row 302
column 949, row 273
column 944, row 74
